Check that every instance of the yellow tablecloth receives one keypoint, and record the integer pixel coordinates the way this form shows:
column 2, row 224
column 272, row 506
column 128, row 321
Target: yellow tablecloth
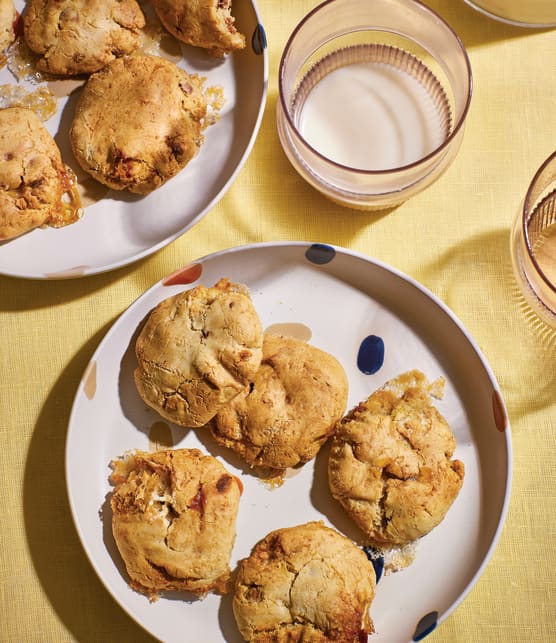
column 453, row 238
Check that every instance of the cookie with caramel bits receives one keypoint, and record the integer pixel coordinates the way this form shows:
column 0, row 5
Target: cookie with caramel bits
column 138, row 122
column 304, row 583
column 173, row 520
column 391, row 465
column 81, row 36
column 208, row 24
column 290, row 408
column 197, row 351
column 7, row 34
column 36, row 187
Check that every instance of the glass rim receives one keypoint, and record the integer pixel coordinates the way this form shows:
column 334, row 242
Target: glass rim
column 401, row 168
column 509, row 21
column 525, row 218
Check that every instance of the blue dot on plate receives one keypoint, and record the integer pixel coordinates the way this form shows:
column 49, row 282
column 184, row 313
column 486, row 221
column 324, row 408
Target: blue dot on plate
column 377, row 559
column 258, row 40
column 425, row 626
column 371, row 355
column 320, row 253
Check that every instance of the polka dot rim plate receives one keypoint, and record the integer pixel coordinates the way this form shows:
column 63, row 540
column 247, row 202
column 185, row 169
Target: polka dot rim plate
column 378, row 323
column 119, row 228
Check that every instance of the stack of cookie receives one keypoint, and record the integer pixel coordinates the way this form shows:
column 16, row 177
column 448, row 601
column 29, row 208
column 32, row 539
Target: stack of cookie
column 205, row 363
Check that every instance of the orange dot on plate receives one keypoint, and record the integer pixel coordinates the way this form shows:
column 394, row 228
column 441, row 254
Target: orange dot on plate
column 186, row 275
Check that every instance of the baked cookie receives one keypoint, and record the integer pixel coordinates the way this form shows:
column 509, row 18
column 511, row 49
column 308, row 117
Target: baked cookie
column 198, row 350
column 81, row 36
column 390, row 462
column 290, row 408
column 138, row 122
column 7, row 34
column 208, row 24
column 304, row 583
column 173, row 520
column 36, row 187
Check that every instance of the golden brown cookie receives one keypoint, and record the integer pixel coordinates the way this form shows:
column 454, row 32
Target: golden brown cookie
column 81, row 36
column 390, row 463
column 36, row 187
column 173, row 520
column 138, row 122
column 208, row 24
column 198, row 350
column 304, row 583
column 290, row 408
column 7, row 34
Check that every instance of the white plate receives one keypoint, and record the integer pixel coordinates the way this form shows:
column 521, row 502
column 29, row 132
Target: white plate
column 121, row 228
column 340, row 297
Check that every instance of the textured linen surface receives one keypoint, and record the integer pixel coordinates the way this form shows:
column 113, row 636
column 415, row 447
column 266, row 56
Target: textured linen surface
column 453, row 238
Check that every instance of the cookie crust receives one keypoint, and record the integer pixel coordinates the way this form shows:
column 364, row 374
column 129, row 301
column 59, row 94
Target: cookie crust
column 391, row 465
column 138, row 122
column 304, row 583
column 208, row 24
column 197, row 351
column 290, row 408
column 33, row 178
column 173, row 520
column 8, row 15
column 81, row 36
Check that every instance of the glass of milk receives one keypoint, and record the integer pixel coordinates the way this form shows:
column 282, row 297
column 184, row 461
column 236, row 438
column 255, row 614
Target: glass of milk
column 373, row 98
column 523, row 13
column 533, row 243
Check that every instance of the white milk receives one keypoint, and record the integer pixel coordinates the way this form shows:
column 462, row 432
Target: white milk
column 371, row 116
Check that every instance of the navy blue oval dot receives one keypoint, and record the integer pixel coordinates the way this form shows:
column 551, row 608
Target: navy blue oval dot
column 377, row 559
column 425, row 626
column 258, row 39
column 371, row 355
column 320, row 253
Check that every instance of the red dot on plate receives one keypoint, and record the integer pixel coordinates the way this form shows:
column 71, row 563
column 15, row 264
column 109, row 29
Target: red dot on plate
column 186, row 275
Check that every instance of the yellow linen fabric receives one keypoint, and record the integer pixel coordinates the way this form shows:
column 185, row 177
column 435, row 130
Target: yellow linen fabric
column 453, row 238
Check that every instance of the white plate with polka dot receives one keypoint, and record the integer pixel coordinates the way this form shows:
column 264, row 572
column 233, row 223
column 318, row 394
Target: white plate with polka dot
column 119, row 228
column 335, row 299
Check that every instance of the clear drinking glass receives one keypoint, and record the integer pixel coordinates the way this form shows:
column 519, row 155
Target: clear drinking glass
column 522, row 13
column 533, row 243
column 373, row 97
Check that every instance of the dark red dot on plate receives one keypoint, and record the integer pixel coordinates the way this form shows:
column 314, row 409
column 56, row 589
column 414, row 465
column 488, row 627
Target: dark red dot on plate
column 371, row 354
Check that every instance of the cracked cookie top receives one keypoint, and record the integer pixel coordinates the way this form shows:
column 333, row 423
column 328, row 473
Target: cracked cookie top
column 290, row 408
column 7, row 18
column 390, row 462
column 138, row 122
column 208, row 24
column 173, row 520
column 36, row 187
column 304, row 583
column 81, row 36
column 197, row 351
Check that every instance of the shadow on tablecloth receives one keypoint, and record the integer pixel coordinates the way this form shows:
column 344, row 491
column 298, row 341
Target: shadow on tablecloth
column 69, row 582
column 475, row 279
